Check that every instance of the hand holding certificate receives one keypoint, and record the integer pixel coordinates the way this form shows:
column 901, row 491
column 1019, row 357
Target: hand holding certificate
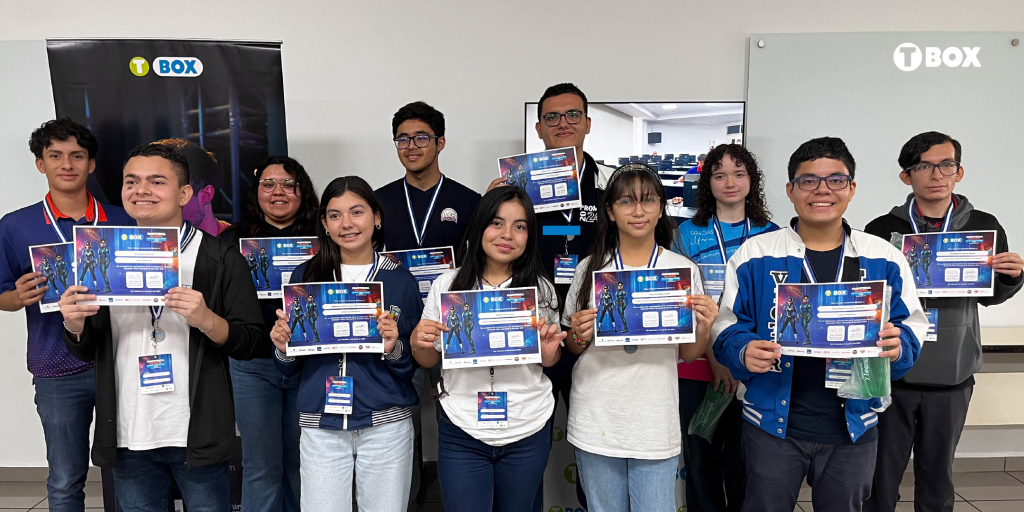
column 126, row 266
column 643, row 307
column 839, row 320
column 325, row 318
column 55, row 262
column 489, row 328
column 551, row 178
column 952, row 264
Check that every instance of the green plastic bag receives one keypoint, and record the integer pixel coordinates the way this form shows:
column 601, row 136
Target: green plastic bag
column 705, row 420
column 869, row 378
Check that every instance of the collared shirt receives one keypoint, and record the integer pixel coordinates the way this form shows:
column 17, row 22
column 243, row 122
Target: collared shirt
column 448, row 220
column 47, row 355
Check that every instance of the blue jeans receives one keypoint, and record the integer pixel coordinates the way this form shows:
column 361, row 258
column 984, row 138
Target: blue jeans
column 142, row 481
column 614, row 485
column 839, row 475
column 475, row 476
column 267, row 417
column 380, row 459
column 65, row 406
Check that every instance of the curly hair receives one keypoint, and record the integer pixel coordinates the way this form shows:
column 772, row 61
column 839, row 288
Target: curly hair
column 754, row 205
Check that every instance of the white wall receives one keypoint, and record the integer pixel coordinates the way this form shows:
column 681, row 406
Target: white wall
column 683, row 138
column 349, row 65
column 611, row 133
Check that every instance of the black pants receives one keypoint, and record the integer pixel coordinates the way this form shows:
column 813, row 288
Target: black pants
column 715, row 477
column 930, row 424
column 839, row 475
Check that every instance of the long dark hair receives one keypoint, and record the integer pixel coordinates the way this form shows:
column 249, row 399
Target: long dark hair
column 626, row 181
column 527, row 269
column 323, row 266
column 754, row 204
column 306, row 219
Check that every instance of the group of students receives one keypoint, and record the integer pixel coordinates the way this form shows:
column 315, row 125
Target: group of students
column 628, row 408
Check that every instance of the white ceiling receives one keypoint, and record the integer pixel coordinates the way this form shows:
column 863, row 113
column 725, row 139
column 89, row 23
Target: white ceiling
column 683, row 113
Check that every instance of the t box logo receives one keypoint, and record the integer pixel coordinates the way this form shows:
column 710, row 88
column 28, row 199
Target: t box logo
column 908, row 57
column 178, row 66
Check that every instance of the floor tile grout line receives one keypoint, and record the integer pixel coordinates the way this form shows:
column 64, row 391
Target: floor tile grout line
column 1013, row 477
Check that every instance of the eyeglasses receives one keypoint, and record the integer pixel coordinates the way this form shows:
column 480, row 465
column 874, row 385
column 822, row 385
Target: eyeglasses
column 269, row 184
column 648, row 204
column 811, row 182
column 572, row 117
column 421, row 141
column 947, row 168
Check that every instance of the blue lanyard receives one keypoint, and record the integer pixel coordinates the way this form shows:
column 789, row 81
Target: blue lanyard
column 842, row 262
column 720, row 235
column 416, row 231
column 945, row 223
column 568, row 213
column 651, row 262
column 53, row 218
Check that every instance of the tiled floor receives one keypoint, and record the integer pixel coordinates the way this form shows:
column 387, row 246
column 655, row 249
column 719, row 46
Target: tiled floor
column 991, row 491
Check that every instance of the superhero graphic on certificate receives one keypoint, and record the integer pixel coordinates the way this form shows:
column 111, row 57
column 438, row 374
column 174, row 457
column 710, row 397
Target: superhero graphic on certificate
column 425, row 264
column 134, row 265
column 271, row 261
column 643, row 307
column 333, row 317
column 489, row 328
column 551, row 178
column 951, row 264
column 831, row 320
column 52, row 262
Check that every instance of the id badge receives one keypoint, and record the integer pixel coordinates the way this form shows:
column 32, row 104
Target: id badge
column 933, row 324
column 156, row 374
column 565, row 268
column 837, row 371
column 339, row 396
column 492, row 409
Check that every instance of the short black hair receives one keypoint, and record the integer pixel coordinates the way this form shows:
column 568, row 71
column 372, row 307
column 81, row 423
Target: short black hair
column 60, row 130
column 419, row 110
column 558, row 90
column 823, row 147
column 167, row 151
column 911, row 153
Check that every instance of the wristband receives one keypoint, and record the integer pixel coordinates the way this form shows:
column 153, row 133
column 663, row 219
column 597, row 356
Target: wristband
column 579, row 342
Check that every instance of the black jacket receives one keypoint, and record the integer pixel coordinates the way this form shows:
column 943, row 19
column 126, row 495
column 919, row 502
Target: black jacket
column 222, row 276
column 956, row 355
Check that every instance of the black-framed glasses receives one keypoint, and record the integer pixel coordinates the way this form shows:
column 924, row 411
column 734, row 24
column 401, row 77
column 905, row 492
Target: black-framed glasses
column 810, row 182
column 269, row 184
column 572, row 117
column 947, row 168
column 421, row 141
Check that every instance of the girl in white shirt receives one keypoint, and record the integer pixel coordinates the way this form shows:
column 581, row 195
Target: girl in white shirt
column 480, row 467
column 624, row 419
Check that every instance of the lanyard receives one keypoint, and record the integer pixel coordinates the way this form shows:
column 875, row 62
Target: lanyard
column 157, row 334
column 720, row 235
column 650, row 262
column 53, row 218
column 568, row 213
column 420, row 232
column 373, row 267
column 842, row 262
column 945, row 223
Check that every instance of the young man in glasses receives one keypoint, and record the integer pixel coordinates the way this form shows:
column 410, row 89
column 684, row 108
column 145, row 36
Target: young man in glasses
column 796, row 427
column 65, row 152
column 929, row 404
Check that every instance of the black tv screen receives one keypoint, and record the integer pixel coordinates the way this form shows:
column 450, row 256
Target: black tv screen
column 654, row 138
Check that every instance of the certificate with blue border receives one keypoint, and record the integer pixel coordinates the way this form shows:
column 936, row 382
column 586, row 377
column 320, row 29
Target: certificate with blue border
column 271, row 261
column 333, row 317
column 489, row 328
column 126, row 266
column 551, row 178
column 831, row 320
column 424, row 264
column 56, row 262
column 951, row 264
column 643, row 307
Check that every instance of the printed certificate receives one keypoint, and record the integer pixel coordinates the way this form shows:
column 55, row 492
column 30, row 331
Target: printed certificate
column 551, row 178
column 333, row 317
column 489, row 328
column 271, row 261
column 126, row 266
column 56, row 262
column 425, row 264
column 831, row 320
column 952, row 264
column 643, row 307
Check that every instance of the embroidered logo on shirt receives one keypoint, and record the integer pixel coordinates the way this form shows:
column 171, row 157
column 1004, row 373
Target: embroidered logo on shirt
column 450, row 214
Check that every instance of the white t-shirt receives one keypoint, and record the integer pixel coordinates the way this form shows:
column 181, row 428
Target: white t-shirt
column 530, row 402
column 158, row 420
column 356, row 273
column 626, row 405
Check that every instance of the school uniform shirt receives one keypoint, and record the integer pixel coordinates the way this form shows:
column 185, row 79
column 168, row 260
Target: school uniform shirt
column 446, row 216
column 700, row 244
column 530, row 401
column 157, row 420
column 47, row 355
column 626, row 405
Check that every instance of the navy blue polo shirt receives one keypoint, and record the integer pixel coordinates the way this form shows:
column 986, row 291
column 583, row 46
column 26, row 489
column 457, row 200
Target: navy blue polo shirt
column 448, row 220
column 47, row 355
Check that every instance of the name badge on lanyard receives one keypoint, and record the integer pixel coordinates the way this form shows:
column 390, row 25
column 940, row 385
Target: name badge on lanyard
column 339, row 396
column 492, row 409
column 565, row 268
column 836, row 370
column 652, row 262
column 156, row 374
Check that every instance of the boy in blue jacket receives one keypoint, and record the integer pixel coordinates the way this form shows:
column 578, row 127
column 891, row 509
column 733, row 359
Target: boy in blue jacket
column 796, row 427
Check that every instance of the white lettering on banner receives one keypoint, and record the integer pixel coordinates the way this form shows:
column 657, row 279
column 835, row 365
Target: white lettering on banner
column 178, row 66
column 908, row 57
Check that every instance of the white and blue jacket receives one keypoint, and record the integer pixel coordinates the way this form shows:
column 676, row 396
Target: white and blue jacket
column 747, row 314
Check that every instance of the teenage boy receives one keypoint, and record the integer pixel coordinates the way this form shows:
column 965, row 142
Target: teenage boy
column 929, row 404
column 188, row 432
column 796, row 427
column 65, row 152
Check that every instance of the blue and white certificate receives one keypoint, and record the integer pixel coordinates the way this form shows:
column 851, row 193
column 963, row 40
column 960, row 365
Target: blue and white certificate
column 551, row 178
column 714, row 279
column 56, row 262
column 271, row 261
column 952, row 264
column 643, row 307
column 328, row 318
column 831, row 320
column 489, row 328
column 126, row 266
column 424, row 264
